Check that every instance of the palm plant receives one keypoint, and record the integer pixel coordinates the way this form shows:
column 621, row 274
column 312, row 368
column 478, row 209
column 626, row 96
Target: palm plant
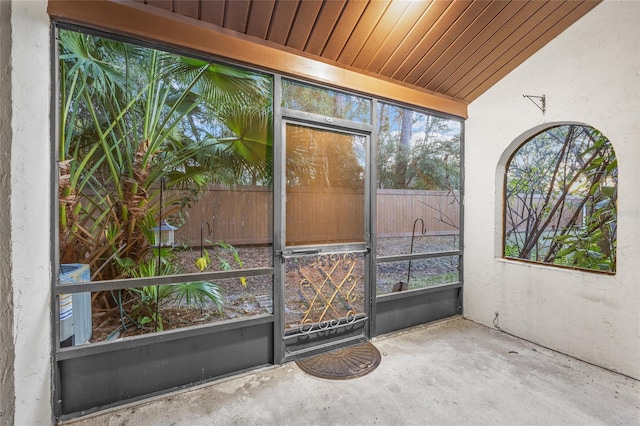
column 125, row 111
column 148, row 301
column 133, row 116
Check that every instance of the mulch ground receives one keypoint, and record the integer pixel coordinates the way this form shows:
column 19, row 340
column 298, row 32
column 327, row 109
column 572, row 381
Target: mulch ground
column 256, row 296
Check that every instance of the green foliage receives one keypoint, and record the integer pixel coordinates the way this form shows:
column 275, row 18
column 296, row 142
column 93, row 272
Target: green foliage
column 561, row 199
column 223, row 264
column 416, row 150
column 134, row 120
column 148, row 301
column 132, row 117
column 433, row 280
column 323, row 158
column 330, row 103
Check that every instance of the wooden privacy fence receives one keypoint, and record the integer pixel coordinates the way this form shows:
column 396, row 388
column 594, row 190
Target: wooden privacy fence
column 244, row 216
column 326, row 215
column 524, row 208
column 236, row 216
column 398, row 209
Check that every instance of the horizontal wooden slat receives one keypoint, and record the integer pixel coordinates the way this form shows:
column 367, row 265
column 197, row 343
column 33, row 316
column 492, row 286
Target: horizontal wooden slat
column 456, row 51
column 428, row 40
column 466, row 55
column 464, row 22
column 348, row 20
column 282, row 20
column 398, row 34
column 236, row 15
column 212, row 11
column 362, row 30
column 190, row 8
column 414, row 36
column 385, row 25
column 162, row 4
column 534, row 44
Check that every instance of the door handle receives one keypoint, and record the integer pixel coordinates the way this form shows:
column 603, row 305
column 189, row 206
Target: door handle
column 294, row 252
column 305, row 251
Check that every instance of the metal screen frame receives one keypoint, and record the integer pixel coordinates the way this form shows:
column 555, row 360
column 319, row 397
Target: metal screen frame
column 302, row 345
column 237, row 345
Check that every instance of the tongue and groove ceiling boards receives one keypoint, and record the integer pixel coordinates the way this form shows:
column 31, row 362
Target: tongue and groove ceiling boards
column 455, row 48
column 452, row 49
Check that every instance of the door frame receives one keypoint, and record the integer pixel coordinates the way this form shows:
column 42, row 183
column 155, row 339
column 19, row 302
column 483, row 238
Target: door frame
column 307, row 347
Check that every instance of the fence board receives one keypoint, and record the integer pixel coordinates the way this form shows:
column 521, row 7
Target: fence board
column 244, row 216
column 322, row 216
column 237, row 217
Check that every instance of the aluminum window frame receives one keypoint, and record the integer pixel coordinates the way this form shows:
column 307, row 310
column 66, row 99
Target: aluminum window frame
column 127, row 283
column 280, row 117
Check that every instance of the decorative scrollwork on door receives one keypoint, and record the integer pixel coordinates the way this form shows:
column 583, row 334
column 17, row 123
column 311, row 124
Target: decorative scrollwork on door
column 328, row 287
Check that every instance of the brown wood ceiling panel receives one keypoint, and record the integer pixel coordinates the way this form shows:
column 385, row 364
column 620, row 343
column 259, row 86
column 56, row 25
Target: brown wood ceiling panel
column 575, row 12
column 430, row 38
column 283, row 15
column 363, row 30
column 348, row 20
column 162, row 4
column 472, row 51
column 236, row 15
column 499, row 55
column 212, row 11
column 260, row 18
column 456, row 48
column 303, row 24
column 324, row 26
column 400, row 32
column 190, row 8
column 481, row 58
column 463, row 22
column 417, row 33
column 452, row 53
column 380, row 32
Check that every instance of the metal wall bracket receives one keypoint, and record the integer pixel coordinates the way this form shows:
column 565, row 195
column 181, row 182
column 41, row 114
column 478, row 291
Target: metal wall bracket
column 539, row 101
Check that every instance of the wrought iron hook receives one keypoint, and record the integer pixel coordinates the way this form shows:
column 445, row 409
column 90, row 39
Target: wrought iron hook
column 423, row 231
column 539, row 101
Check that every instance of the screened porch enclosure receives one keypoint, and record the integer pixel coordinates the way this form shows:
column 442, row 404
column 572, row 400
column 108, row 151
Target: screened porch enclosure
column 219, row 231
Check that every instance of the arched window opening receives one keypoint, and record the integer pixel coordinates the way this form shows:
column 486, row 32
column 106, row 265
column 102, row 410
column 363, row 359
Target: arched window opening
column 560, row 207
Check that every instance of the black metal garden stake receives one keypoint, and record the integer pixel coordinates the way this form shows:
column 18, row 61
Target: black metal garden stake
column 413, row 236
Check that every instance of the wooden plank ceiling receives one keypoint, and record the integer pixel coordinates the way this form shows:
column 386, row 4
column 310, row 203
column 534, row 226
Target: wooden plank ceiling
column 455, row 48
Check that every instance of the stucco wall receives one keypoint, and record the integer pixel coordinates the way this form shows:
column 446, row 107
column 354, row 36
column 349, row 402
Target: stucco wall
column 589, row 74
column 6, row 293
column 30, row 218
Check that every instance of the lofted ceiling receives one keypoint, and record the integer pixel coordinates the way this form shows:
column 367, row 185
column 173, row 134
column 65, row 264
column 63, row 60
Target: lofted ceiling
column 455, row 48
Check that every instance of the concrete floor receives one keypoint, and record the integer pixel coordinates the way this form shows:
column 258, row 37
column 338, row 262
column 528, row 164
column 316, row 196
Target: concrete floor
column 452, row 373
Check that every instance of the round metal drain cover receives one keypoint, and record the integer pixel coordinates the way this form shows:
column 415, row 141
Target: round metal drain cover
column 345, row 363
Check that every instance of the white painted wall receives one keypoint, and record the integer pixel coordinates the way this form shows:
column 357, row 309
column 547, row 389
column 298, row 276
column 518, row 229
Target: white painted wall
column 589, row 74
column 26, row 148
